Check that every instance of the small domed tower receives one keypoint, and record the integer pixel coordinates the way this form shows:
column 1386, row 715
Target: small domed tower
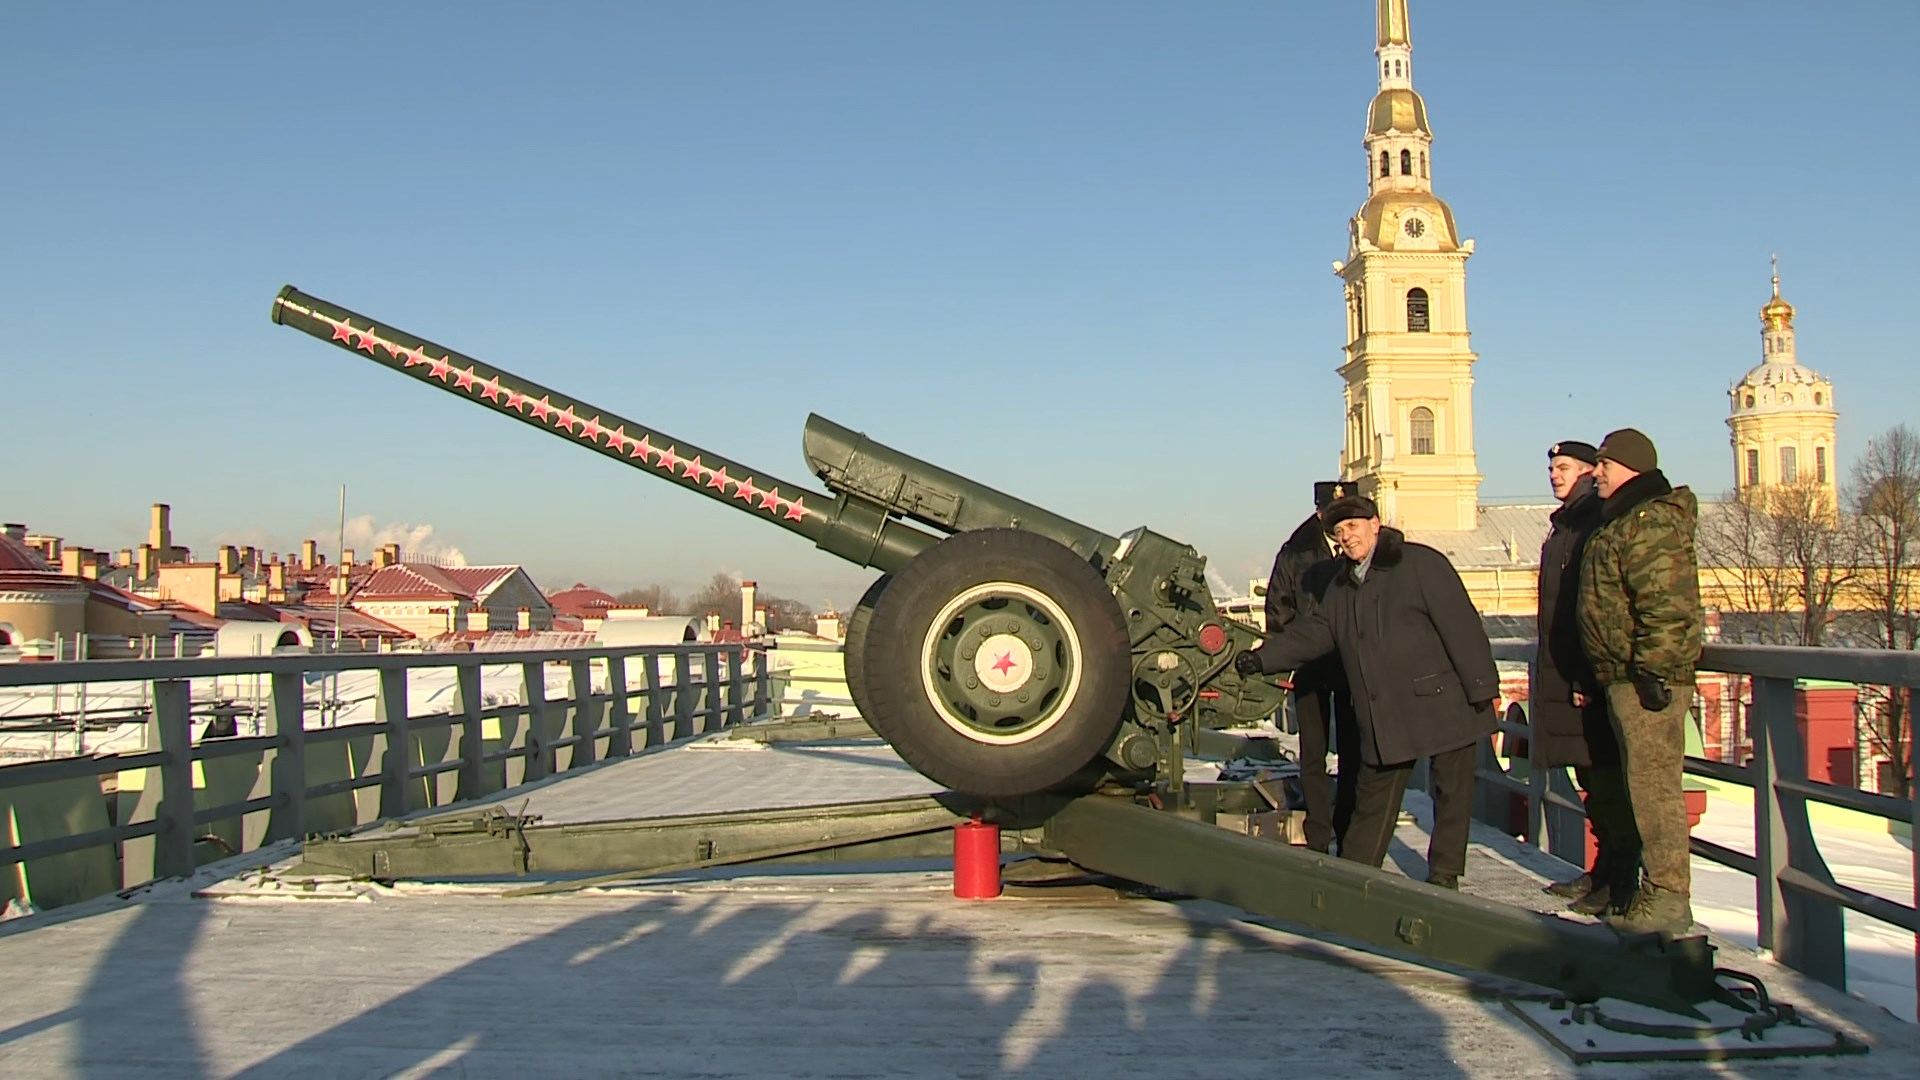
column 1782, row 415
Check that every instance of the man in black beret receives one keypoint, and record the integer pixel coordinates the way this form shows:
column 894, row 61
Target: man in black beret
column 1568, row 707
column 1302, row 571
column 1417, row 657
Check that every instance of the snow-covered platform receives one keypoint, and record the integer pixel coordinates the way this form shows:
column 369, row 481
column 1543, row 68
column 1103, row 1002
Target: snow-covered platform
column 792, row 973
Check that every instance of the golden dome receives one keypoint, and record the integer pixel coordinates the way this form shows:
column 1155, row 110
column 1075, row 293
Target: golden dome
column 1397, row 110
column 1778, row 314
column 1384, row 217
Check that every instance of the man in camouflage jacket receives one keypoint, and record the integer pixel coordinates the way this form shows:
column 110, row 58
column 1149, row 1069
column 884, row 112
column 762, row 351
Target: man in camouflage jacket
column 1640, row 624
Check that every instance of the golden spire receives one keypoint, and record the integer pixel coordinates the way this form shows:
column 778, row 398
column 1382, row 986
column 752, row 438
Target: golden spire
column 1778, row 314
column 1393, row 23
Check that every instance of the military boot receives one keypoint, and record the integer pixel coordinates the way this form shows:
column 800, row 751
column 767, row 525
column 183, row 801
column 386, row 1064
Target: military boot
column 1654, row 910
column 1571, row 890
column 1612, row 890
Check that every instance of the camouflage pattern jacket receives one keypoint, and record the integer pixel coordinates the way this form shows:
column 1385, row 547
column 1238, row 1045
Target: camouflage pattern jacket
column 1639, row 604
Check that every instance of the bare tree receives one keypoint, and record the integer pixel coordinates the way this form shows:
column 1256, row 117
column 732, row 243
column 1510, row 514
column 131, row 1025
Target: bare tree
column 1780, row 556
column 1815, row 549
column 655, row 598
column 1886, row 504
column 1743, row 572
column 721, row 593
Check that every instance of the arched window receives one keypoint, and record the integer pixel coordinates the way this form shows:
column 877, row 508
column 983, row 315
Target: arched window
column 1423, row 164
column 1786, row 399
column 1406, row 163
column 1789, row 465
column 1420, row 430
column 1820, row 464
column 1398, row 69
column 1750, row 405
column 1753, row 467
column 1385, row 169
column 1386, row 68
column 1417, row 310
column 1819, row 398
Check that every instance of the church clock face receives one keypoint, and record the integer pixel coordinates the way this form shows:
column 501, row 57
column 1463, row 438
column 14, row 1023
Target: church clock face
column 1415, row 227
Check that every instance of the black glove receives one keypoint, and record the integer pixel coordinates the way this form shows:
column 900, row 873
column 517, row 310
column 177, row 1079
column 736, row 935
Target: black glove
column 1653, row 691
column 1248, row 663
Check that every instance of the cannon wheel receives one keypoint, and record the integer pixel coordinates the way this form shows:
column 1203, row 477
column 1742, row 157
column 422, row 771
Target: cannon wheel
column 997, row 663
column 856, row 643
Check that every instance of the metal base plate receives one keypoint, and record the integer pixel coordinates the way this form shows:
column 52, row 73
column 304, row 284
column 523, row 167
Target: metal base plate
column 1615, row 1030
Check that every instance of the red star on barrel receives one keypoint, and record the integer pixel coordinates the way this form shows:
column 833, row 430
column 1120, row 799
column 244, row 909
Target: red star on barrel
column 591, row 430
column 668, row 459
column 642, row 450
column 439, row 369
column 617, row 439
column 515, row 399
column 464, row 380
column 745, row 491
column 490, row 389
column 1004, row 664
column 565, row 419
column 342, row 330
column 770, row 498
column 367, row 340
column 694, row 469
column 540, row 408
column 416, row 357
column 796, row 511
column 719, row 479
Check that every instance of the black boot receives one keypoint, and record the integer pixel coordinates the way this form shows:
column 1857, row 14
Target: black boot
column 1571, row 890
column 1612, row 893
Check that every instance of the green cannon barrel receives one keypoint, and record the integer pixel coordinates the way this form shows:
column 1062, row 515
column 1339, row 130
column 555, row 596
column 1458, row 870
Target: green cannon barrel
column 854, row 528
column 850, row 463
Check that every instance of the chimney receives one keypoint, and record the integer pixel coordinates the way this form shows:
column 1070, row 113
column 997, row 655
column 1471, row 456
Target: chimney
column 761, row 616
column 249, row 558
column 14, row 531
column 160, row 534
column 747, row 591
column 144, row 559
column 713, row 623
column 95, row 564
column 125, row 558
column 72, row 559
column 277, row 578
column 523, row 620
column 827, row 626
column 346, row 560
column 309, row 551
column 47, row 546
column 228, row 559
column 388, row 555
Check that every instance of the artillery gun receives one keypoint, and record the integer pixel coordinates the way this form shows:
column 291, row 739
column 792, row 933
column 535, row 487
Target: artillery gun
column 1003, row 651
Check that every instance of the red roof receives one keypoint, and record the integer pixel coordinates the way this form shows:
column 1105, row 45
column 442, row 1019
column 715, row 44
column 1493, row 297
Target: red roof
column 15, row 555
column 582, row 602
column 22, row 568
column 414, row 581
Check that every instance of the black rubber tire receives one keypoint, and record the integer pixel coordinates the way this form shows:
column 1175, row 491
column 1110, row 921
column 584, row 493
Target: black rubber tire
column 900, row 706
column 854, row 652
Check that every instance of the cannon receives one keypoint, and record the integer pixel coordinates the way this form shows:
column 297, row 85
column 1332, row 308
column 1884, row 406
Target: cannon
column 1003, row 651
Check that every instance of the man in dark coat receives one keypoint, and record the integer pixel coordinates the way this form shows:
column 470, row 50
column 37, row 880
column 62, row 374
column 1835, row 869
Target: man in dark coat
column 1302, row 571
column 1417, row 658
column 1569, row 709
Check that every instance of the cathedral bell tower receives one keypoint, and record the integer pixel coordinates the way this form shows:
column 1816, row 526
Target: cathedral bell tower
column 1782, row 417
column 1408, row 365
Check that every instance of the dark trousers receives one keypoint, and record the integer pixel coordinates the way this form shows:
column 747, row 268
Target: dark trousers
column 1610, row 812
column 1320, row 714
column 1377, row 810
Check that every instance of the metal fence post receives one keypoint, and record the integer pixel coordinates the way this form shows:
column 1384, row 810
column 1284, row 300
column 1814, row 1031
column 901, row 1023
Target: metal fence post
column 619, row 709
column 711, row 714
column 682, row 693
column 736, row 683
column 1537, row 776
column 173, row 726
column 467, row 701
column 533, row 676
column 390, row 711
column 586, row 714
column 762, row 688
column 287, row 723
column 1805, row 932
column 656, row 706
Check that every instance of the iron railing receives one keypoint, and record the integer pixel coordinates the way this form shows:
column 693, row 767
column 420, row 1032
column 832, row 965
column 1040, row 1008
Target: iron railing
column 1799, row 906
column 397, row 763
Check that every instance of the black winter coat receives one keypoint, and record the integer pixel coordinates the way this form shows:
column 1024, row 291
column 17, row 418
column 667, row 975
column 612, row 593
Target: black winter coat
column 1413, row 649
column 1568, row 734
column 1302, row 571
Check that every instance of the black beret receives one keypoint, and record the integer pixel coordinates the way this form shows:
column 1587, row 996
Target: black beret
column 1326, row 491
column 1574, row 449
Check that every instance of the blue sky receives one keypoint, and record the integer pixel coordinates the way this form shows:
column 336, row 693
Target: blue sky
column 1080, row 251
